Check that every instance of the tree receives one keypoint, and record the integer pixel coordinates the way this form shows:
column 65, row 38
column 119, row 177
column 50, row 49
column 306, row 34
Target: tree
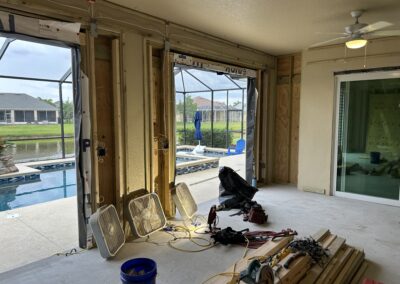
column 68, row 108
column 191, row 107
column 49, row 101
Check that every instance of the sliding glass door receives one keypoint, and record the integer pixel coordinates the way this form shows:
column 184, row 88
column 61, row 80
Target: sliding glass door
column 367, row 164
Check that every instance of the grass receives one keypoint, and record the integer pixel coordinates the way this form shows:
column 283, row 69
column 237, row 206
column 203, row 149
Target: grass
column 35, row 130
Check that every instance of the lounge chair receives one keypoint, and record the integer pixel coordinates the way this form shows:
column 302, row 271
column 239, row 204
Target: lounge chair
column 239, row 147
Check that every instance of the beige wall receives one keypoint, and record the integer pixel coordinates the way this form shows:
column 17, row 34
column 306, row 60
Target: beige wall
column 317, row 104
column 133, row 59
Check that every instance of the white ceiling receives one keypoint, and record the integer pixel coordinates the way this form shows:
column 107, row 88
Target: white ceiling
column 274, row 26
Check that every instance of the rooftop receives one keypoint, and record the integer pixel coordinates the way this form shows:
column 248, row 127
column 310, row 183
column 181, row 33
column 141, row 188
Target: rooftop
column 21, row 101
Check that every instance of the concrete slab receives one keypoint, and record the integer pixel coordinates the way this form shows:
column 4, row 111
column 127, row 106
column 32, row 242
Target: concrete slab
column 35, row 232
column 372, row 226
column 23, row 170
column 48, row 162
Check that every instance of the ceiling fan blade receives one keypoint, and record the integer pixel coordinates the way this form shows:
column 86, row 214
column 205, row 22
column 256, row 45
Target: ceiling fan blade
column 386, row 33
column 331, row 33
column 374, row 27
column 328, row 41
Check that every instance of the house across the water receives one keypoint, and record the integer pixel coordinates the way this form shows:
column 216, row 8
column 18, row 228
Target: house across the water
column 17, row 108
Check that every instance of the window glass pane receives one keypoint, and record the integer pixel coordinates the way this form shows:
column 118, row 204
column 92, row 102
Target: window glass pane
column 42, row 116
column 53, row 61
column 29, row 116
column 19, row 116
column 178, row 80
column 2, row 40
column 191, row 84
column 369, row 138
column 242, row 82
column 213, row 80
column 202, row 103
column 220, row 138
column 51, row 116
column 2, row 116
column 68, row 108
column 179, row 109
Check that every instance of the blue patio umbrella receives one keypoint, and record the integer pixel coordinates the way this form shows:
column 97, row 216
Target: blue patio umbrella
column 197, row 126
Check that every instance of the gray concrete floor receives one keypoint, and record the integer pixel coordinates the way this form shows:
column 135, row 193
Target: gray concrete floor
column 374, row 227
column 35, row 232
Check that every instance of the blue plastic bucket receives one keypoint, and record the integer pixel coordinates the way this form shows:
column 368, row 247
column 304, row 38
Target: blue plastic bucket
column 375, row 157
column 139, row 271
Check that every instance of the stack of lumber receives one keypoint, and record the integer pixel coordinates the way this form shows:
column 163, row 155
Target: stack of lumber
column 344, row 263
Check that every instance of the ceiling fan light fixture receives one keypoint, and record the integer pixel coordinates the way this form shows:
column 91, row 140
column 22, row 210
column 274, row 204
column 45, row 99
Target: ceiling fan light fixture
column 356, row 43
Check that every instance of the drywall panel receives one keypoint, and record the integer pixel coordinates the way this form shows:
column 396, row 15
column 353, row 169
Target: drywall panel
column 133, row 58
column 317, row 104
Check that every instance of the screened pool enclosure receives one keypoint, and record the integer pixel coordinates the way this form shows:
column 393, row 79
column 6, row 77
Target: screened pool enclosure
column 221, row 100
column 36, row 109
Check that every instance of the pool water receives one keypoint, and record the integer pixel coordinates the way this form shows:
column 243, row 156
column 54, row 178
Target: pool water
column 207, row 153
column 180, row 160
column 50, row 186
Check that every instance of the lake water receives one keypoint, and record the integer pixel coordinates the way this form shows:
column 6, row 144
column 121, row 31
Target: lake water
column 33, row 150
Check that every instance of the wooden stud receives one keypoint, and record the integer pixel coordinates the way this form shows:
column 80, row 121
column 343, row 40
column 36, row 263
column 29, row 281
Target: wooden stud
column 350, row 267
column 316, row 269
column 321, row 234
column 268, row 249
column 360, row 273
column 335, row 266
column 296, row 270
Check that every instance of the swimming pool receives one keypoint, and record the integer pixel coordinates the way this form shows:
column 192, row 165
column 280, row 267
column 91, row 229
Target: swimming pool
column 50, row 185
column 208, row 152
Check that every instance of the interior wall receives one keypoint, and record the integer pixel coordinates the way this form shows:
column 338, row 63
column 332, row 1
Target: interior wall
column 133, row 59
column 317, row 104
column 287, row 108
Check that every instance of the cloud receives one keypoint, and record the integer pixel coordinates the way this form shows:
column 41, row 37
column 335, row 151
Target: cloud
column 28, row 59
column 35, row 60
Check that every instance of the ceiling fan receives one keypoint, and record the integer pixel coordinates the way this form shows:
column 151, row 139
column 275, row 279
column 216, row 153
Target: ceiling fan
column 356, row 33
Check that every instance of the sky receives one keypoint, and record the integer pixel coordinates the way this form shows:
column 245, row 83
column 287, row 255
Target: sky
column 28, row 59
column 212, row 80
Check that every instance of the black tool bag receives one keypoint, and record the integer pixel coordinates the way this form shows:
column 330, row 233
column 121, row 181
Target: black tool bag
column 229, row 236
column 234, row 191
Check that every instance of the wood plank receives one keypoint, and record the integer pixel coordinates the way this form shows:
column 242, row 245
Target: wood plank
column 284, row 65
column 335, row 266
column 297, row 64
column 282, row 134
column 328, row 241
column 268, row 249
column 294, row 133
column 105, row 137
column 321, row 234
column 296, row 270
column 351, row 268
column 316, row 269
column 360, row 273
column 347, row 267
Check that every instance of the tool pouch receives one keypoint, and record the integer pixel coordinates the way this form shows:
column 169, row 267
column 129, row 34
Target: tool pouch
column 257, row 215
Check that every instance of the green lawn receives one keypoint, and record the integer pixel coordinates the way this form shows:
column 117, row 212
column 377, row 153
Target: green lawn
column 35, row 130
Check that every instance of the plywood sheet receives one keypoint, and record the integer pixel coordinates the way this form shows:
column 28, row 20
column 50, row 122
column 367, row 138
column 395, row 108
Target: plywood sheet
column 297, row 64
column 284, row 65
column 282, row 134
column 294, row 132
column 105, row 120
